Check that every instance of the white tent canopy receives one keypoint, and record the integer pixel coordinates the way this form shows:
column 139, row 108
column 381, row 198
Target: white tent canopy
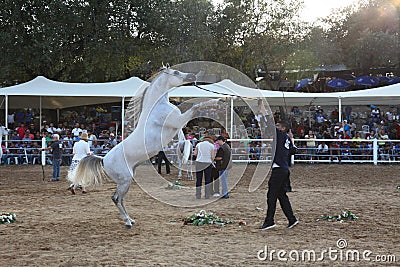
column 227, row 88
column 47, row 94
column 386, row 95
column 59, row 95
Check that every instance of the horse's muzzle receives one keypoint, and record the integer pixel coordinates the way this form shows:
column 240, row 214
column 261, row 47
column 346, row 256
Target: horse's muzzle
column 190, row 77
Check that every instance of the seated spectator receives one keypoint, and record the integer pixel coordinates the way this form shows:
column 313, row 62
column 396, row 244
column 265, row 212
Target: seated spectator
column 96, row 148
column 5, row 154
column 364, row 150
column 335, row 150
column 51, row 128
column 322, row 150
column 311, row 146
column 26, row 137
column 382, row 135
column 76, row 130
column 112, row 141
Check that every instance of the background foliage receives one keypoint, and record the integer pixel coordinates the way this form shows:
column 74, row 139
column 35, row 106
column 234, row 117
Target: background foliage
column 108, row 40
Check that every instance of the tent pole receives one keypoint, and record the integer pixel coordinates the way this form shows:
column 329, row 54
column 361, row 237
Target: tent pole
column 231, row 133
column 226, row 117
column 123, row 117
column 6, row 120
column 6, row 111
column 40, row 113
column 340, row 109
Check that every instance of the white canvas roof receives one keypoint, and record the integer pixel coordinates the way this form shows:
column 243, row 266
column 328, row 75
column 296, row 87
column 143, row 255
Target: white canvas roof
column 59, row 95
column 275, row 98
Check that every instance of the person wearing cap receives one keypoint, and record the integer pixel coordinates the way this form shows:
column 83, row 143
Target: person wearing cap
column 224, row 164
column 56, row 150
column 79, row 151
column 205, row 155
column 112, row 142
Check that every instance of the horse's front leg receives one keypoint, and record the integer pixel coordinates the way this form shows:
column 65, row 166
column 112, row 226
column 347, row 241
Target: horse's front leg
column 189, row 114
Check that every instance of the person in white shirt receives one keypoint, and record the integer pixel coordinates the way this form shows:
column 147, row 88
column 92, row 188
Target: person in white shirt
column 51, row 128
column 205, row 155
column 76, row 130
column 80, row 150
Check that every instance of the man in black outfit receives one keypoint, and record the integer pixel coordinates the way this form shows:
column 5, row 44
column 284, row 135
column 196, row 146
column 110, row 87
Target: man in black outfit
column 279, row 179
column 161, row 156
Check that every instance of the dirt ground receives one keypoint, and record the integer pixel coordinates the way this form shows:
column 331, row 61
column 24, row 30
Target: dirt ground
column 56, row 228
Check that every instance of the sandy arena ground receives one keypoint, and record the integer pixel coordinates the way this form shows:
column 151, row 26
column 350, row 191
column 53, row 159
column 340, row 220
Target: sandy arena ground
column 55, row 228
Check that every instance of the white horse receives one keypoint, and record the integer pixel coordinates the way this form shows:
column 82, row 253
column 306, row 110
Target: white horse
column 3, row 131
column 158, row 123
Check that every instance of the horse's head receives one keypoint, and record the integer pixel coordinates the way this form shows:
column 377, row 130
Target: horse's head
column 176, row 78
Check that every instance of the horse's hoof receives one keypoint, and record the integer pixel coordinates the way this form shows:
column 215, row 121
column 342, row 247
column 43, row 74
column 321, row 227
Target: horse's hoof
column 127, row 226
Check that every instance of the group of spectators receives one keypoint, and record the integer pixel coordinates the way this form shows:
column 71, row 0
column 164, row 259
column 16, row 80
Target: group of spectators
column 353, row 137
column 24, row 141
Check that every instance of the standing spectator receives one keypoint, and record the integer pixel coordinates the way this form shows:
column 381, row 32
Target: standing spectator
column 21, row 130
column 347, row 112
column 20, row 116
column 11, row 120
column 160, row 158
column 224, row 164
column 278, row 180
column 80, row 150
column 56, row 150
column 205, row 154
column 215, row 173
column 29, row 116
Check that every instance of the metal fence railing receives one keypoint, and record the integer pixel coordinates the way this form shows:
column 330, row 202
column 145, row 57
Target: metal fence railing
column 245, row 150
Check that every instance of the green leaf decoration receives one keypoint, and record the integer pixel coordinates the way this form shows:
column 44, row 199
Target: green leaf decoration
column 7, row 218
column 203, row 218
column 345, row 216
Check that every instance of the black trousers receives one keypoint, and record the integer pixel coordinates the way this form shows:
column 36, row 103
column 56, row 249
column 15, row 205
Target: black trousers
column 206, row 169
column 215, row 181
column 161, row 156
column 276, row 190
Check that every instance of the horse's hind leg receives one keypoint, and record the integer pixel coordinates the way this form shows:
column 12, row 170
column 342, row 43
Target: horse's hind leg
column 118, row 198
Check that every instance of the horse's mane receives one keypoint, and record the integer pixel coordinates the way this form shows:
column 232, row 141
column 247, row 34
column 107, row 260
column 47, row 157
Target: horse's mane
column 134, row 110
column 135, row 106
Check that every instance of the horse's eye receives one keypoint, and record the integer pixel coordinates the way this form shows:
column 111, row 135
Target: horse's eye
column 176, row 72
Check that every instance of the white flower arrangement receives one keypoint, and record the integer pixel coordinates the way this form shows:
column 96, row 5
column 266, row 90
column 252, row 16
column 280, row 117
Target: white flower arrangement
column 203, row 218
column 345, row 216
column 174, row 186
column 7, row 218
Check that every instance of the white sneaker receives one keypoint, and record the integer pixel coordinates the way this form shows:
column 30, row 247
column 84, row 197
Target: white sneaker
column 216, row 195
column 293, row 224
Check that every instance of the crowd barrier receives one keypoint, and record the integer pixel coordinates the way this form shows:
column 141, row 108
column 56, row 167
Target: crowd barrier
column 256, row 151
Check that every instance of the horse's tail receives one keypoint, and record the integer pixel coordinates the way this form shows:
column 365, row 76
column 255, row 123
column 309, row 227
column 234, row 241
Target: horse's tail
column 90, row 171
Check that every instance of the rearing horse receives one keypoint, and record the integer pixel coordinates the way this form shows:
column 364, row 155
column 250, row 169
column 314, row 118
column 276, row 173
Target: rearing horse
column 158, row 123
